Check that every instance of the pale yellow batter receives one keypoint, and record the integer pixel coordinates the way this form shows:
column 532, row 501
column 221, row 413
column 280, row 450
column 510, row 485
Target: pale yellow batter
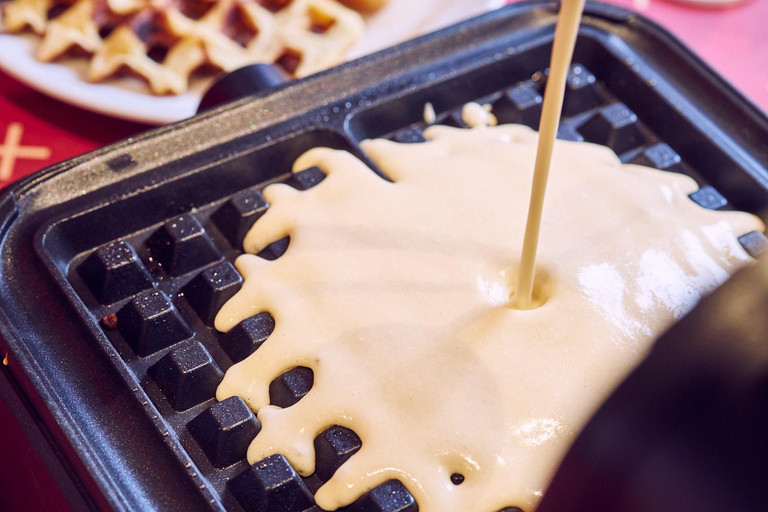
column 475, row 115
column 397, row 296
column 429, row 114
column 568, row 21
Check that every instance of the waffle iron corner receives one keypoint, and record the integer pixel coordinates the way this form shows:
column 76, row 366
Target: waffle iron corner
column 108, row 402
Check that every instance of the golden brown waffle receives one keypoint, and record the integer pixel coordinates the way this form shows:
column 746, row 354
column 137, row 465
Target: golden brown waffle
column 165, row 41
column 365, row 5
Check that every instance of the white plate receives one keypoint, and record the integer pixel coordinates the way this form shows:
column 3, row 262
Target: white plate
column 127, row 98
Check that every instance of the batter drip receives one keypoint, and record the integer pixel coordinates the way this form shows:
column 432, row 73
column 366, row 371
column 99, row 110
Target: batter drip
column 396, row 295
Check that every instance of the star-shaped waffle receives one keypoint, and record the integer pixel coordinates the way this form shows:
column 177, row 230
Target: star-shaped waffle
column 75, row 27
column 166, row 41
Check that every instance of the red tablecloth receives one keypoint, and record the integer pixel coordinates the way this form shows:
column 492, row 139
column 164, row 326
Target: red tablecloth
column 37, row 131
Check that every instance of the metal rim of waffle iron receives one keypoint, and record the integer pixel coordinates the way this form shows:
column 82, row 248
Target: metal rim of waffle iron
column 109, row 400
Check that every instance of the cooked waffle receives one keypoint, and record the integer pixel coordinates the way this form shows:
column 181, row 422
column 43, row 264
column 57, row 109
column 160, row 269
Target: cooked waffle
column 364, row 5
column 165, row 41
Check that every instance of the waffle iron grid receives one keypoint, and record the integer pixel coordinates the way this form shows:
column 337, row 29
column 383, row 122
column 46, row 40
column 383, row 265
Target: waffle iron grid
column 157, row 290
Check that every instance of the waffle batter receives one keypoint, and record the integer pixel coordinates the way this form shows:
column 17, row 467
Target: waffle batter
column 567, row 29
column 397, row 296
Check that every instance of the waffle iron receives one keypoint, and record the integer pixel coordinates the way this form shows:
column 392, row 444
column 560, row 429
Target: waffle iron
column 114, row 263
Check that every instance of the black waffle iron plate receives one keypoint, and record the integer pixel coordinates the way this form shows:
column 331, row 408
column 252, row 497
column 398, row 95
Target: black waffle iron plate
column 141, row 236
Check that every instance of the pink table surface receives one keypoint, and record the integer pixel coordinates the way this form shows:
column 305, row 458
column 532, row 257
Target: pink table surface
column 734, row 41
